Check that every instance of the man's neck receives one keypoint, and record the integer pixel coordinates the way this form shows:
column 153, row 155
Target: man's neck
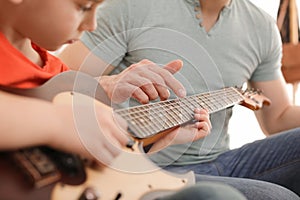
column 213, row 5
column 210, row 10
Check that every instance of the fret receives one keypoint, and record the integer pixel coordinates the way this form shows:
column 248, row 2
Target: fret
column 171, row 118
column 147, row 120
column 140, row 119
column 134, row 121
column 226, row 100
column 212, row 103
column 184, row 109
column 168, row 108
column 188, row 115
column 172, row 112
column 193, row 102
column 154, row 121
column 201, row 103
column 218, row 100
column 204, row 100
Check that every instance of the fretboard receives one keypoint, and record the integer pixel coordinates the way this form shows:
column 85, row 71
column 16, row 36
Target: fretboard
column 147, row 120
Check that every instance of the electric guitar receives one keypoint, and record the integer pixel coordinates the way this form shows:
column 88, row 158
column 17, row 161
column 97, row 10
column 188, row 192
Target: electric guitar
column 139, row 178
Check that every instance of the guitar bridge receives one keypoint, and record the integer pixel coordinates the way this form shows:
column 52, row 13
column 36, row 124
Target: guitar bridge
column 37, row 166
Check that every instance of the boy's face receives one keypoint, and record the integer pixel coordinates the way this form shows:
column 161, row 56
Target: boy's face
column 52, row 23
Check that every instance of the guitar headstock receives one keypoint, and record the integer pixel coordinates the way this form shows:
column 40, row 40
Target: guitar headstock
column 254, row 99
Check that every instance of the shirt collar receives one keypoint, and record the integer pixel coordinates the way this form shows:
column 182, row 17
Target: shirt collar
column 192, row 1
column 196, row 2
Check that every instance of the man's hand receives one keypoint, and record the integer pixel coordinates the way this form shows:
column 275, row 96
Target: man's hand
column 144, row 81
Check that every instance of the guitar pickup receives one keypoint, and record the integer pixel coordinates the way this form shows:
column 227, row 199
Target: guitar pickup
column 37, row 166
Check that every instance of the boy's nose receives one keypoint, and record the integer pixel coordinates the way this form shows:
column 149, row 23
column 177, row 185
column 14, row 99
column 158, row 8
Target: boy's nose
column 89, row 24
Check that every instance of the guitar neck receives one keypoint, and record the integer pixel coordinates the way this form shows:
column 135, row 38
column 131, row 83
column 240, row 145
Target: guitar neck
column 147, row 120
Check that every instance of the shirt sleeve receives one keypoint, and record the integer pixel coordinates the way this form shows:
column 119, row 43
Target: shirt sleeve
column 108, row 41
column 269, row 67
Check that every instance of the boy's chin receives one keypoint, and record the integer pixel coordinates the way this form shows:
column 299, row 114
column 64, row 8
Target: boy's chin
column 56, row 49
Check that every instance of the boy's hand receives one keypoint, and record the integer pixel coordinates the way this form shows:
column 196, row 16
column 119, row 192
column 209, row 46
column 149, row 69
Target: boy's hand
column 92, row 131
column 189, row 133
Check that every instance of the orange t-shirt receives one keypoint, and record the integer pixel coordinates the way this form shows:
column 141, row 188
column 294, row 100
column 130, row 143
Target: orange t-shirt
column 18, row 71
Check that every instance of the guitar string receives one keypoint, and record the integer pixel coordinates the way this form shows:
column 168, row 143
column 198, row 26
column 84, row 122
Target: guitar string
column 142, row 119
column 142, row 125
column 161, row 126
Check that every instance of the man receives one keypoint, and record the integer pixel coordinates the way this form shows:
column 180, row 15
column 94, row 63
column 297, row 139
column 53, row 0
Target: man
column 222, row 44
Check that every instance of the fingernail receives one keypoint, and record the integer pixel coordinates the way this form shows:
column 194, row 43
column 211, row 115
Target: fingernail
column 197, row 109
column 182, row 93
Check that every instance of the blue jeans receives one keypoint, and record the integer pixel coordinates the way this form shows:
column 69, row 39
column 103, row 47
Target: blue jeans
column 264, row 169
column 206, row 191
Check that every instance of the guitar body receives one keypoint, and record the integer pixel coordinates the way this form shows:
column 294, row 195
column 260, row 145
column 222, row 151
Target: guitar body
column 132, row 176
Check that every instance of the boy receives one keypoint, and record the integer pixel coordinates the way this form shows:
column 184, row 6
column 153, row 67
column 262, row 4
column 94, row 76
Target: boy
column 26, row 65
column 19, row 35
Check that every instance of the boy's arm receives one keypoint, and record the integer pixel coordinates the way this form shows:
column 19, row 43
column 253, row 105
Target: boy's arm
column 25, row 121
column 29, row 122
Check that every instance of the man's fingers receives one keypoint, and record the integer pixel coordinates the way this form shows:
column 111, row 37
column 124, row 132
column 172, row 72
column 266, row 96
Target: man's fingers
column 153, row 80
column 173, row 83
column 173, row 66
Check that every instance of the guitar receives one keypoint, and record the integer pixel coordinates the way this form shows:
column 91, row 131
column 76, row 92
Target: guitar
column 139, row 177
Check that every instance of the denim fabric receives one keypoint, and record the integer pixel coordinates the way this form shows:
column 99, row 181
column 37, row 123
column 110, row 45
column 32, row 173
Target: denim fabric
column 253, row 167
column 206, row 191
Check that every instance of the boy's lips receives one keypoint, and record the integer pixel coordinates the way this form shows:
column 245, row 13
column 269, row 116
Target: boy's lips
column 72, row 41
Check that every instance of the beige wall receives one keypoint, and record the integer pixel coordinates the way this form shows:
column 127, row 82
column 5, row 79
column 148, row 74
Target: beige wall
column 270, row 6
